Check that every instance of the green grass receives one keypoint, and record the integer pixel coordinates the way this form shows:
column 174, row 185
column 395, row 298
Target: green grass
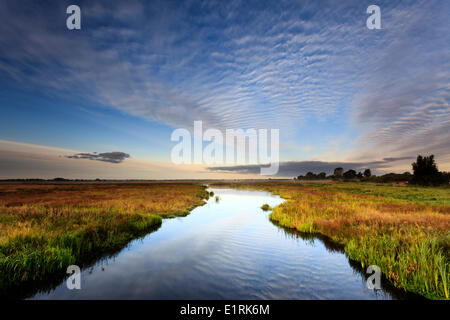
column 44, row 229
column 402, row 229
column 416, row 194
column 26, row 258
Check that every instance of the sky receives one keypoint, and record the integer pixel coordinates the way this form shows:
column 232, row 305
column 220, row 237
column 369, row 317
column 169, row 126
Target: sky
column 103, row 101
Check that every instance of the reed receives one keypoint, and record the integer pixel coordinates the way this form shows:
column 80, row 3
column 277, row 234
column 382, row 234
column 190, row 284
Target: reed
column 402, row 229
column 45, row 228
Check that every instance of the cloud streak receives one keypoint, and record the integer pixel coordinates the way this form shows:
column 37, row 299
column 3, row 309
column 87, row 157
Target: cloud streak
column 27, row 161
column 112, row 157
column 295, row 168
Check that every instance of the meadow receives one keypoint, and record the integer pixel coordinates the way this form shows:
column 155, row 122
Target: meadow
column 46, row 227
column 402, row 229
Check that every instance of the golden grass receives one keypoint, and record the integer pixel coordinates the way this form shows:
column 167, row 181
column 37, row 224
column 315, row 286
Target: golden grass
column 402, row 229
column 46, row 227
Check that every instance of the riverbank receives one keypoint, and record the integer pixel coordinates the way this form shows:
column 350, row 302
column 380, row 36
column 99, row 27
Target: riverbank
column 402, row 229
column 47, row 227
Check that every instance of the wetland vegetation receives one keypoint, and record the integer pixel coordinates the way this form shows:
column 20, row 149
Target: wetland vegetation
column 402, row 229
column 46, row 227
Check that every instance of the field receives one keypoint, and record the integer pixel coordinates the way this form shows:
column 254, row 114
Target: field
column 46, row 227
column 402, row 229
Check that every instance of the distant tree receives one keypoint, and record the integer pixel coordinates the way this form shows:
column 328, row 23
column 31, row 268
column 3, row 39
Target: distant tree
column 425, row 166
column 322, row 175
column 310, row 176
column 446, row 177
column 426, row 172
column 338, row 172
column 359, row 175
column 367, row 173
column 350, row 174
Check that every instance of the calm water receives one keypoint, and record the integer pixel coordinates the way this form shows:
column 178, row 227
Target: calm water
column 224, row 250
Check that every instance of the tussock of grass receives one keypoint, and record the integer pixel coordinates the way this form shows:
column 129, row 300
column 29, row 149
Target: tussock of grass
column 403, row 229
column 266, row 207
column 45, row 228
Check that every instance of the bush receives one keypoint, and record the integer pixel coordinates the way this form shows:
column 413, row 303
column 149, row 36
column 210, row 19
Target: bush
column 350, row 174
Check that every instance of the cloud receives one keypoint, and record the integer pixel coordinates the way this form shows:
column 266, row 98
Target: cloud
column 276, row 67
column 112, row 157
column 36, row 54
column 236, row 65
column 24, row 161
column 397, row 159
column 295, row 168
column 405, row 99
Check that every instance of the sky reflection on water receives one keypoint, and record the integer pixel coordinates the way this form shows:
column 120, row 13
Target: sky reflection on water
column 224, row 250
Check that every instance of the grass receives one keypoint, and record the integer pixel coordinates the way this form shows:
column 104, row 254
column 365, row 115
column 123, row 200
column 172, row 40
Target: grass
column 266, row 207
column 402, row 229
column 44, row 228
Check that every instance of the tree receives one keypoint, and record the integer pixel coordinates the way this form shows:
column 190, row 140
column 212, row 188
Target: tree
column 359, row 175
column 426, row 172
column 350, row 174
column 446, row 176
column 310, row 176
column 367, row 173
column 338, row 172
column 322, row 175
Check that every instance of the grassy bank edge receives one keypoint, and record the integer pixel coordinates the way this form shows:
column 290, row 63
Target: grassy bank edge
column 24, row 260
column 357, row 252
column 380, row 251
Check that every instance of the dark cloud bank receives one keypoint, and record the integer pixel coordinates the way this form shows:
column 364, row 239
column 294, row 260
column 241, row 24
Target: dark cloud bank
column 112, row 157
column 295, row 168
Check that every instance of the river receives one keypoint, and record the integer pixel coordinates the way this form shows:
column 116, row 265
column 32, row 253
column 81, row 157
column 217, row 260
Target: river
column 226, row 249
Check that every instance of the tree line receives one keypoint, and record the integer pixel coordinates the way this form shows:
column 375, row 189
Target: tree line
column 425, row 172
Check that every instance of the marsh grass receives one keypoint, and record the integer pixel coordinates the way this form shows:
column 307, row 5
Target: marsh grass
column 45, row 228
column 402, row 229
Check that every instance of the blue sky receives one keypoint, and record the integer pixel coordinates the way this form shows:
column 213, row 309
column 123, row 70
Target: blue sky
column 137, row 70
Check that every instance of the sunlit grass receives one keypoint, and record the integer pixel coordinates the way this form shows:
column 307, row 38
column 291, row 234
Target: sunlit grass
column 402, row 229
column 45, row 228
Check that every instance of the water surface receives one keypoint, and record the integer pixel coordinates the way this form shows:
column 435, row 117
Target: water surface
column 224, row 250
